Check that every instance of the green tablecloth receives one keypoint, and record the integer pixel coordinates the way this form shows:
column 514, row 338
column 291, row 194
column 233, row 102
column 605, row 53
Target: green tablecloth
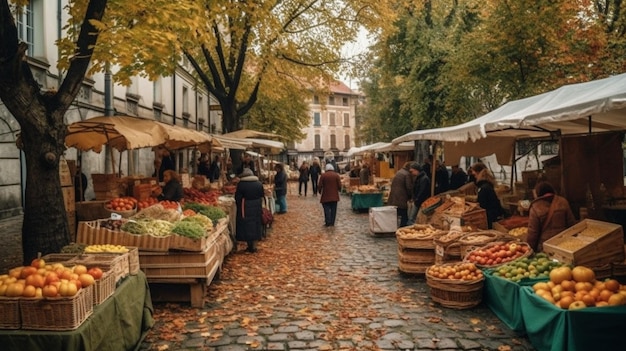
column 554, row 329
column 366, row 200
column 119, row 323
column 502, row 296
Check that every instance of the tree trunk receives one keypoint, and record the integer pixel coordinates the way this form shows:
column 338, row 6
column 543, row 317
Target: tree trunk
column 45, row 227
column 230, row 119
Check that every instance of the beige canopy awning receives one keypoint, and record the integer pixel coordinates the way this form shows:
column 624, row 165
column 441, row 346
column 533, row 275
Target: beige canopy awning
column 119, row 132
column 126, row 132
column 248, row 133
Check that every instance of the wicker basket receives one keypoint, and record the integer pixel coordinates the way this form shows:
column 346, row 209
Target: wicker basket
column 416, row 255
column 124, row 214
column 9, row 313
column 407, row 239
column 133, row 260
column 448, row 248
column 104, row 288
column 602, row 272
column 60, row 313
column 488, row 246
column 455, row 293
column 470, row 242
column 413, row 268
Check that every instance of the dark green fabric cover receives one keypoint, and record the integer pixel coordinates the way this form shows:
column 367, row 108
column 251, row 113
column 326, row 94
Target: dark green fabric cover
column 119, row 323
column 553, row 329
column 502, row 298
column 366, row 200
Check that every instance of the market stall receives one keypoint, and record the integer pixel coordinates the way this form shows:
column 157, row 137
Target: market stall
column 557, row 309
column 118, row 323
column 586, row 119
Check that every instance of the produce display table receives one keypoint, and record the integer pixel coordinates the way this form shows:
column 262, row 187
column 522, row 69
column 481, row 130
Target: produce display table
column 119, row 323
column 555, row 329
column 363, row 201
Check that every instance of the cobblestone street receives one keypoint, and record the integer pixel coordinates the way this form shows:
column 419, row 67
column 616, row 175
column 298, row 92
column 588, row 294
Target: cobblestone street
column 315, row 288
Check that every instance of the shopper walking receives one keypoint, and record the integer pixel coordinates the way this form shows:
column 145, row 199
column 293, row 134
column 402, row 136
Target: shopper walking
column 280, row 188
column 401, row 192
column 303, row 179
column 329, row 186
column 315, row 171
column 249, row 197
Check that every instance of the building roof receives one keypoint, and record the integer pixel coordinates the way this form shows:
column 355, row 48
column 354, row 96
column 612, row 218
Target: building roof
column 338, row 87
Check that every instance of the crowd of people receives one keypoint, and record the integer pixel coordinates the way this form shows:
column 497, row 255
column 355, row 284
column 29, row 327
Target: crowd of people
column 549, row 213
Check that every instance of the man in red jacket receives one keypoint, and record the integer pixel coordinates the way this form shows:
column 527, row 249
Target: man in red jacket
column 328, row 186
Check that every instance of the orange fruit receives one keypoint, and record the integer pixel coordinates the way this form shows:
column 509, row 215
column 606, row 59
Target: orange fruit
column 565, row 301
column 612, row 285
column 589, row 300
column 605, row 295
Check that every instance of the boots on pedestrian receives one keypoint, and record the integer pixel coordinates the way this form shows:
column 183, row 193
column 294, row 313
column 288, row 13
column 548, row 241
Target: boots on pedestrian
column 251, row 247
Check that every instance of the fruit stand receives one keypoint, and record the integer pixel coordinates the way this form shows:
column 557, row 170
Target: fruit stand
column 572, row 303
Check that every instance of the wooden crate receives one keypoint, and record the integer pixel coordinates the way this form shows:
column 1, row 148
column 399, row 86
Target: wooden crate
column 476, row 219
column 186, row 270
column 105, row 182
column 69, row 200
column 589, row 242
column 190, row 290
column 58, row 313
column 142, row 192
column 65, row 174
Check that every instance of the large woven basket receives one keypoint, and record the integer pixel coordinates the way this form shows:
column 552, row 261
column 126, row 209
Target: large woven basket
column 413, row 268
column 9, row 313
column 472, row 241
column 490, row 245
column 455, row 293
column 416, row 255
column 447, row 247
column 57, row 313
column 418, row 236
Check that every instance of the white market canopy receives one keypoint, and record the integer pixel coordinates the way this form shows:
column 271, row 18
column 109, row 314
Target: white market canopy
column 591, row 107
column 250, row 143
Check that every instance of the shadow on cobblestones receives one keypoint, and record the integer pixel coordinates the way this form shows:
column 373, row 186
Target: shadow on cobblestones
column 315, row 288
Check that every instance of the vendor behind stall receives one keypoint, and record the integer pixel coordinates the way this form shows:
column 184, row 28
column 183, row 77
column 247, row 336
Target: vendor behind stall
column 487, row 197
column 549, row 215
column 173, row 189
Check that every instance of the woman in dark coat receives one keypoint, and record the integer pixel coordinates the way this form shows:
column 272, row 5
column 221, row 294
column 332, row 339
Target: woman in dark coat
column 249, row 197
column 486, row 193
column 173, row 189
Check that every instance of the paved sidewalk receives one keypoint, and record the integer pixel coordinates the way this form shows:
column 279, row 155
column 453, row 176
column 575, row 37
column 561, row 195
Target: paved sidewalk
column 315, row 288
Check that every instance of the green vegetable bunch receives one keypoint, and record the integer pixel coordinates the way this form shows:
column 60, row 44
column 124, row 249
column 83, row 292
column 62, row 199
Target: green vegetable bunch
column 214, row 213
column 189, row 229
column 201, row 219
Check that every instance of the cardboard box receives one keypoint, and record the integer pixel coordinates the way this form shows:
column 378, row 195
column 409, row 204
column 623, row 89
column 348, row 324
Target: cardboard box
column 589, row 242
